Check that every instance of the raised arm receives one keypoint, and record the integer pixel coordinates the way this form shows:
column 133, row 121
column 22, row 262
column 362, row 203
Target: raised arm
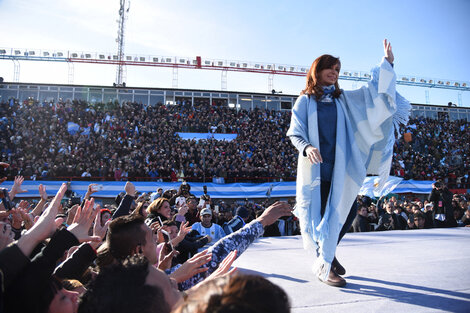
column 388, row 52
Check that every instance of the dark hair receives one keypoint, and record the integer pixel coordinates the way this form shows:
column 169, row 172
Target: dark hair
column 39, row 295
column 121, row 288
column 419, row 215
column 238, row 293
column 125, row 233
column 312, row 86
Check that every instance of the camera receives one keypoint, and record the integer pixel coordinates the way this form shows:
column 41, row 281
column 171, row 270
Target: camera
column 75, row 200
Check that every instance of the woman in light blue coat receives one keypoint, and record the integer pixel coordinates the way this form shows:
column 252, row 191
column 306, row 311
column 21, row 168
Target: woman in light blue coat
column 341, row 136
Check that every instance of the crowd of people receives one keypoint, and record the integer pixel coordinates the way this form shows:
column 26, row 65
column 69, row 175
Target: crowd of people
column 434, row 149
column 173, row 251
column 139, row 255
column 134, row 140
column 440, row 209
column 137, row 141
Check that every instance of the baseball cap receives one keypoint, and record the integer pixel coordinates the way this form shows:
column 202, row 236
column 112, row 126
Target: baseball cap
column 206, row 211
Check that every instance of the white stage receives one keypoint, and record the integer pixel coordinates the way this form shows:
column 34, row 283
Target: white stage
column 393, row 271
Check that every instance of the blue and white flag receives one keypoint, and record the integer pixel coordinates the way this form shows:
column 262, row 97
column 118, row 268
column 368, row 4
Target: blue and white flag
column 370, row 186
column 86, row 131
column 72, row 128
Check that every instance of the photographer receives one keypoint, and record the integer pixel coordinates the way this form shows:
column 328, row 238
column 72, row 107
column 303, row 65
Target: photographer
column 443, row 213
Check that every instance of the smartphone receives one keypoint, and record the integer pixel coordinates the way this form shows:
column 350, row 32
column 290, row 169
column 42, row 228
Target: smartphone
column 181, row 201
column 97, row 187
column 216, row 208
column 167, row 239
column 201, row 202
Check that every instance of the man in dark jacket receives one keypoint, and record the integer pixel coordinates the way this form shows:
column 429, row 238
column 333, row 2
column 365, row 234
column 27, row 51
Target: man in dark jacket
column 361, row 223
column 443, row 211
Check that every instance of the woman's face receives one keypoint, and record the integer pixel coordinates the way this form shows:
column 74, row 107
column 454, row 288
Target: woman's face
column 329, row 76
column 165, row 209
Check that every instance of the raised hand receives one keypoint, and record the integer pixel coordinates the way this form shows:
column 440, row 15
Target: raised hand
column 192, row 267
column 98, row 230
column 71, row 214
column 184, row 229
column 16, row 189
column 130, row 189
column 92, row 188
column 141, row 198
column 183, row 210
column 275, row 211
column 82, row 222
column 388, row 51
column 165, row 260
column 26, row 217
column 44, row 226
column 15, row 218
column 42, row 192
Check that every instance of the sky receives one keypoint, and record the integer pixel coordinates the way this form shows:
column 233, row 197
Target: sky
column 430, row 39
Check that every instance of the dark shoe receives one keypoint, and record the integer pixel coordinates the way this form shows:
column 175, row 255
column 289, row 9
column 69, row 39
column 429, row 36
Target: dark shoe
column 338, row 268
column 334, row 280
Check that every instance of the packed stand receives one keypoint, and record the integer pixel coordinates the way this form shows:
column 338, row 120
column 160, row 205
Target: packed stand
column 434, row 149
column 139, row 141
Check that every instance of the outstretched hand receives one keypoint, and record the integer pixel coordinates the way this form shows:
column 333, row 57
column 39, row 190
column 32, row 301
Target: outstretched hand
column 191, row 267
column 275, row 211
column 44, row 226
column 388, row 51
column 130, row 189
column 16, row 189
column 42, row 192
column 82, row 222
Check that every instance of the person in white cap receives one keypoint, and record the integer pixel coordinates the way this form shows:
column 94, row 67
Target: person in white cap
column 207, row 228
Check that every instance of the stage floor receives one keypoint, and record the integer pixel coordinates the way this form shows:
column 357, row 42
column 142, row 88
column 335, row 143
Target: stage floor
column 394, row 271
